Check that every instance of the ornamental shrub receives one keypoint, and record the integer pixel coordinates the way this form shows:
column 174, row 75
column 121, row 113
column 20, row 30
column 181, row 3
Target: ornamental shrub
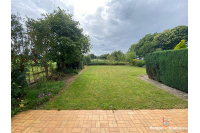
column 181, row 44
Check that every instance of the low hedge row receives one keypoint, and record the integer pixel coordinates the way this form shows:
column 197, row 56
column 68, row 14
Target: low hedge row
column 169, row 67
column 107, row 63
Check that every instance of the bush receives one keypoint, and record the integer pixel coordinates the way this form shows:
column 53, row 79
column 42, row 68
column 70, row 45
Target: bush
column 169, row 67
column 139, row 63
column 121, row 63
column 70, row 71
column 129, row 56
column 88, row 59
column 181, row 45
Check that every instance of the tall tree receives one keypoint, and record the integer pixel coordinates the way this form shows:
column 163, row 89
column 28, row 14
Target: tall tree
column 165, row 40
column 62, row 39
column 92, row 56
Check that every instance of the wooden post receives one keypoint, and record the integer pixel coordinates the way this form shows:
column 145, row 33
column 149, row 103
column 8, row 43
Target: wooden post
column 33, row 74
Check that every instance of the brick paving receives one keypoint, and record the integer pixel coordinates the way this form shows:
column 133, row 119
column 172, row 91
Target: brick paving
column 100, row 121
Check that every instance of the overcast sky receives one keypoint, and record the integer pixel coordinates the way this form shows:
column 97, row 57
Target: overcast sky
column 113, row 24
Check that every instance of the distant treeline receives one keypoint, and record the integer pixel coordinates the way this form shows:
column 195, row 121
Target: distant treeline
column 166, row 40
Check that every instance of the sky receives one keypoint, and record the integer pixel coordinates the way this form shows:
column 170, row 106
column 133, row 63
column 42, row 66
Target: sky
column 112, row 24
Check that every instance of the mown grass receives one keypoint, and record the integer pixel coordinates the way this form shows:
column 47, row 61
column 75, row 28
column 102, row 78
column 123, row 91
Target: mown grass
column 114, row 87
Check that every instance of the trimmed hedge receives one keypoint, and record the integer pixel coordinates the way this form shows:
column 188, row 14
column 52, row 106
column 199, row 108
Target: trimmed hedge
column 169, row 67
column 107, row 63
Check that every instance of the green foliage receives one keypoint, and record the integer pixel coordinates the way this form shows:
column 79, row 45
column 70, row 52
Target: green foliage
column 181, row 44
column 63, row 41
column 103, row 56
column 106, row 62
column 92, row 56
column 116, row 56
column 137, row 62
column 140, row 63
column 88, row 59
column 165, row 40
column 169, row 67
column 83, row 61
column 130, row 56
column 43, row 93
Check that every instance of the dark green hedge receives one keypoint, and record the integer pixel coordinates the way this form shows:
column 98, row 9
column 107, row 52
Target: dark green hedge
column 169, row 67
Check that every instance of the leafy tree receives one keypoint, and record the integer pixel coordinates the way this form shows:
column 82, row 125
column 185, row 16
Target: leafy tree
column 88, row 59
column 145, row 45
column 92, row 56
column 130, row 56
column 59, row 38
column 181, row 44
column 165, row 40
column 19, row 58
column 103, row 56
column 117, row 56
column 110, row 58
column 169, row 38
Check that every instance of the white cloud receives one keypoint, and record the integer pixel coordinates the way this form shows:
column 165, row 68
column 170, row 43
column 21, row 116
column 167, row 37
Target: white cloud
column 113, row 24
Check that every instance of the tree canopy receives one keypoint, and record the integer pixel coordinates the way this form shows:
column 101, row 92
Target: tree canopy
column 165, row 40
column 57, row 36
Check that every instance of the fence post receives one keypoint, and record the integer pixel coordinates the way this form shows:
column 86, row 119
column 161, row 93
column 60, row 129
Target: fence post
column 33, row 74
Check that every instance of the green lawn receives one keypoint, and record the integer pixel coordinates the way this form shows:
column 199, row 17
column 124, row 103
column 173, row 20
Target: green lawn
column 114, row 87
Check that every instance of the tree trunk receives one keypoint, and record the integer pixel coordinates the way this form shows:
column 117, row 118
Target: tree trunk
column 62, row 65
column 46, row 72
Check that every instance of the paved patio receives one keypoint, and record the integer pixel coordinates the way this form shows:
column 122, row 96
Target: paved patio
column 100, row 121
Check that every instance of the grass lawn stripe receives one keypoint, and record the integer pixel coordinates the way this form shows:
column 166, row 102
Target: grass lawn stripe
column 114, row 87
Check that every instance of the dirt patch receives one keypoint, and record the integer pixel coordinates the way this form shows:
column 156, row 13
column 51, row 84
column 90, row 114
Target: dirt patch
column 171, row 90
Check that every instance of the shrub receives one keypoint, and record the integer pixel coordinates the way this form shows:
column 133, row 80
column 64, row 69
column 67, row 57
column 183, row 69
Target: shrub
column 181, row 44
column 88, row 59
column 137, row 62
column 169, row 67
column 70, row 71
column 115, row 63
column 140, row 63
column 129, row 56
column 121, row 63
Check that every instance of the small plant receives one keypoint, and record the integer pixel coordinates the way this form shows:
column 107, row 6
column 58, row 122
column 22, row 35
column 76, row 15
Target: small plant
column 22, row 103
